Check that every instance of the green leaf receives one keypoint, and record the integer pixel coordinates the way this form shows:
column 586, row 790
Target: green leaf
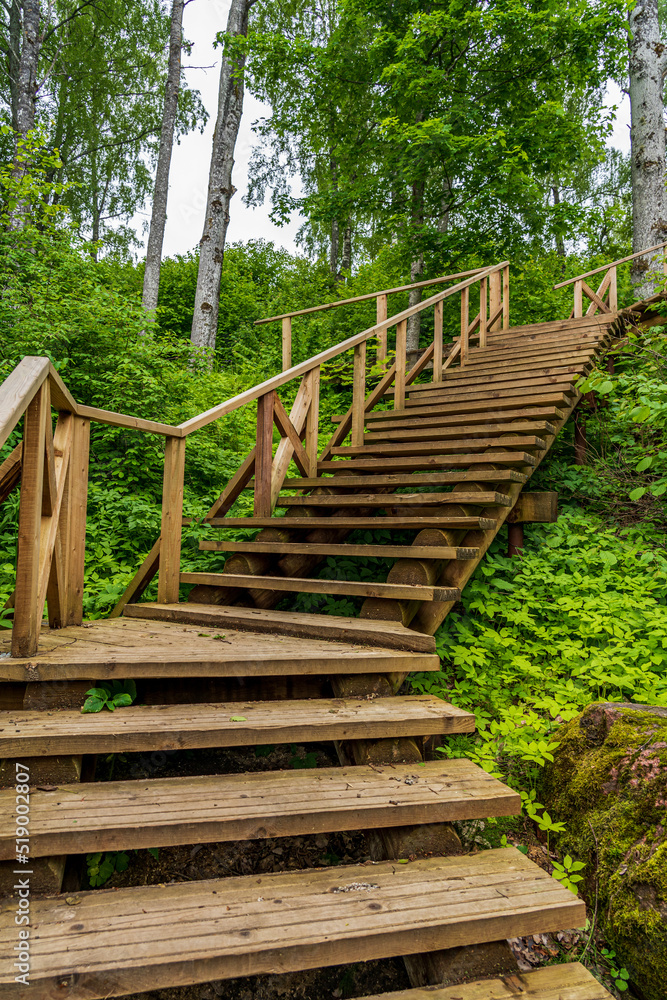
column 637, row 494
column 645, row 463
column 93, row 705
column 237, row 718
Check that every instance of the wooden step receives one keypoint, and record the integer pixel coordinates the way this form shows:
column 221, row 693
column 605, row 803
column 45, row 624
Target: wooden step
column 393, row 499
column 407, row 418
column 493, row 374
column 535, row 359
column 399, row 479
column 490, row 403
column 189, row 727
column 157, row 812
column 412, row 447
column 519, row 387
column 427, row 430
column 438, row 460
column 122, row 648
column 553, row 982
column 407, row 522
column 115, row 942
column 304, row 585
column 363, row 631
column 345, row 549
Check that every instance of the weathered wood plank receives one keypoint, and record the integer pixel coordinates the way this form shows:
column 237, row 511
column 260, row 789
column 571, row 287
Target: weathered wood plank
column 388, row 635
column 393, row 499
column 119, row 815
column 345, row 549
column 169, row 727
column 130, row 940
column 303, row 585
column 406, row 521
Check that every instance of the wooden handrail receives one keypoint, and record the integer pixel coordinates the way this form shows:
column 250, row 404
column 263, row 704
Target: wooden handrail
column 606, row 267
column 195, row 423
column 18, row 391
column 369, row 295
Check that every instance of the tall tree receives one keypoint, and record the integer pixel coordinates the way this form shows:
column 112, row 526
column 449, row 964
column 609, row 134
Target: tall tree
column 161, row 190
column 648, row 66
column 220, row 188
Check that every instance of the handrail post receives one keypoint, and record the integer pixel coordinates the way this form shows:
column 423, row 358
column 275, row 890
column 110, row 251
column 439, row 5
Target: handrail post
column 172, row 520
column 399, row 379
column 73, row 522
column 380, row 317
column 613, row 290
column 483, row 305
column 578, row 310
column 27, row 614
column 359, row 395
column 437, row 342
column 264, row 454
column 287, row 343
column 506, row 297
column 465, row 324
column 495, row 293
column 313, row 420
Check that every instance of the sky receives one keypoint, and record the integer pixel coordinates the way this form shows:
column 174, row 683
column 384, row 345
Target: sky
column 190, row 160
column 202, row 19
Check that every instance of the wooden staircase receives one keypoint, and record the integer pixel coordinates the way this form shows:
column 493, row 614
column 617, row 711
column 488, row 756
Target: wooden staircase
column 442, row 469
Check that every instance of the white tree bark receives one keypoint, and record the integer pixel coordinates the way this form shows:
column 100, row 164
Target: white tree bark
column 27, row 69
column 159, row 213
column 220, row 189
column 648, row 62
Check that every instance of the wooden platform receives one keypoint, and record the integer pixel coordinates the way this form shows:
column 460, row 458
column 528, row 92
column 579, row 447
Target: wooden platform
column 125, row 647
column 119, row 815
column 129, row 940
column 554, row 982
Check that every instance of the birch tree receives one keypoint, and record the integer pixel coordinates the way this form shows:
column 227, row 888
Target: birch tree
column 220, row 188
column 159, row 211
column 648, row 65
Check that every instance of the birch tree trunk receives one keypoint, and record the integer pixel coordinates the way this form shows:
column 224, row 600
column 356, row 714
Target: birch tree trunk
column 416, row 272
column 648, row 62
column 220, row 189
column 14, row 58
column 159, row 213
column 26, row 95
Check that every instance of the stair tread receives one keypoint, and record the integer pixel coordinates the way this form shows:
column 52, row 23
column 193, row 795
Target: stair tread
column 306, row 585
column 129, row 940
column 493, row 375
column 121, row 647
column 428, row 429
column 345, row 549
column 454, row 420
column 440, row 447
column 414, row 479
column 157, row 812
column 381, row 634
column 392, row 499
column 406, row 521
column 504, row 457
column 186, row 727
column 544, row 404
column 570, row 981
column 528, row 386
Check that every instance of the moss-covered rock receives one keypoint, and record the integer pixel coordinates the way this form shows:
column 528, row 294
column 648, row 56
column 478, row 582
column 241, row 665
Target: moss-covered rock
column 608, row 783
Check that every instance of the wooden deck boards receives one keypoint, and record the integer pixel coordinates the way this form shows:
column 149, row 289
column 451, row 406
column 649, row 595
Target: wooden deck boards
column 119, row 815
column 125, row 647
column 129, row 940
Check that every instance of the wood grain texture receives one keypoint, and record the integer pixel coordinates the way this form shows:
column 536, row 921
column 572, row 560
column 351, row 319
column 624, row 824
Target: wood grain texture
column 344, row 549
column 305, row 585
column 131, row 647
column 172, row 520
column 570, row 981
column 393, row 499
column 18, row 391
column 119, row 815
column 115, row 942
column 227, row 724
column 408, row 521
column 386, row 635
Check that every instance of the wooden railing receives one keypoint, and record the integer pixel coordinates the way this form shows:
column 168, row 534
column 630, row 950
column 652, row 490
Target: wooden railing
column 498, row 292
column 52, row 464
column 605, row 298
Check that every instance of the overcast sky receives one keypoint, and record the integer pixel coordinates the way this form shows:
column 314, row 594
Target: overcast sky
column 190, row 160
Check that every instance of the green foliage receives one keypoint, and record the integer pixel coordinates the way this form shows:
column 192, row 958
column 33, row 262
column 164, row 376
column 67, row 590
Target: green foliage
column 580, row 617
column 620, row 976
column 111, row 695
column 566, row 873
column 102, row 866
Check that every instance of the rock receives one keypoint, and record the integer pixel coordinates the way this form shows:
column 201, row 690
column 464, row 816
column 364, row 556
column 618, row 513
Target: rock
column 608, row 783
